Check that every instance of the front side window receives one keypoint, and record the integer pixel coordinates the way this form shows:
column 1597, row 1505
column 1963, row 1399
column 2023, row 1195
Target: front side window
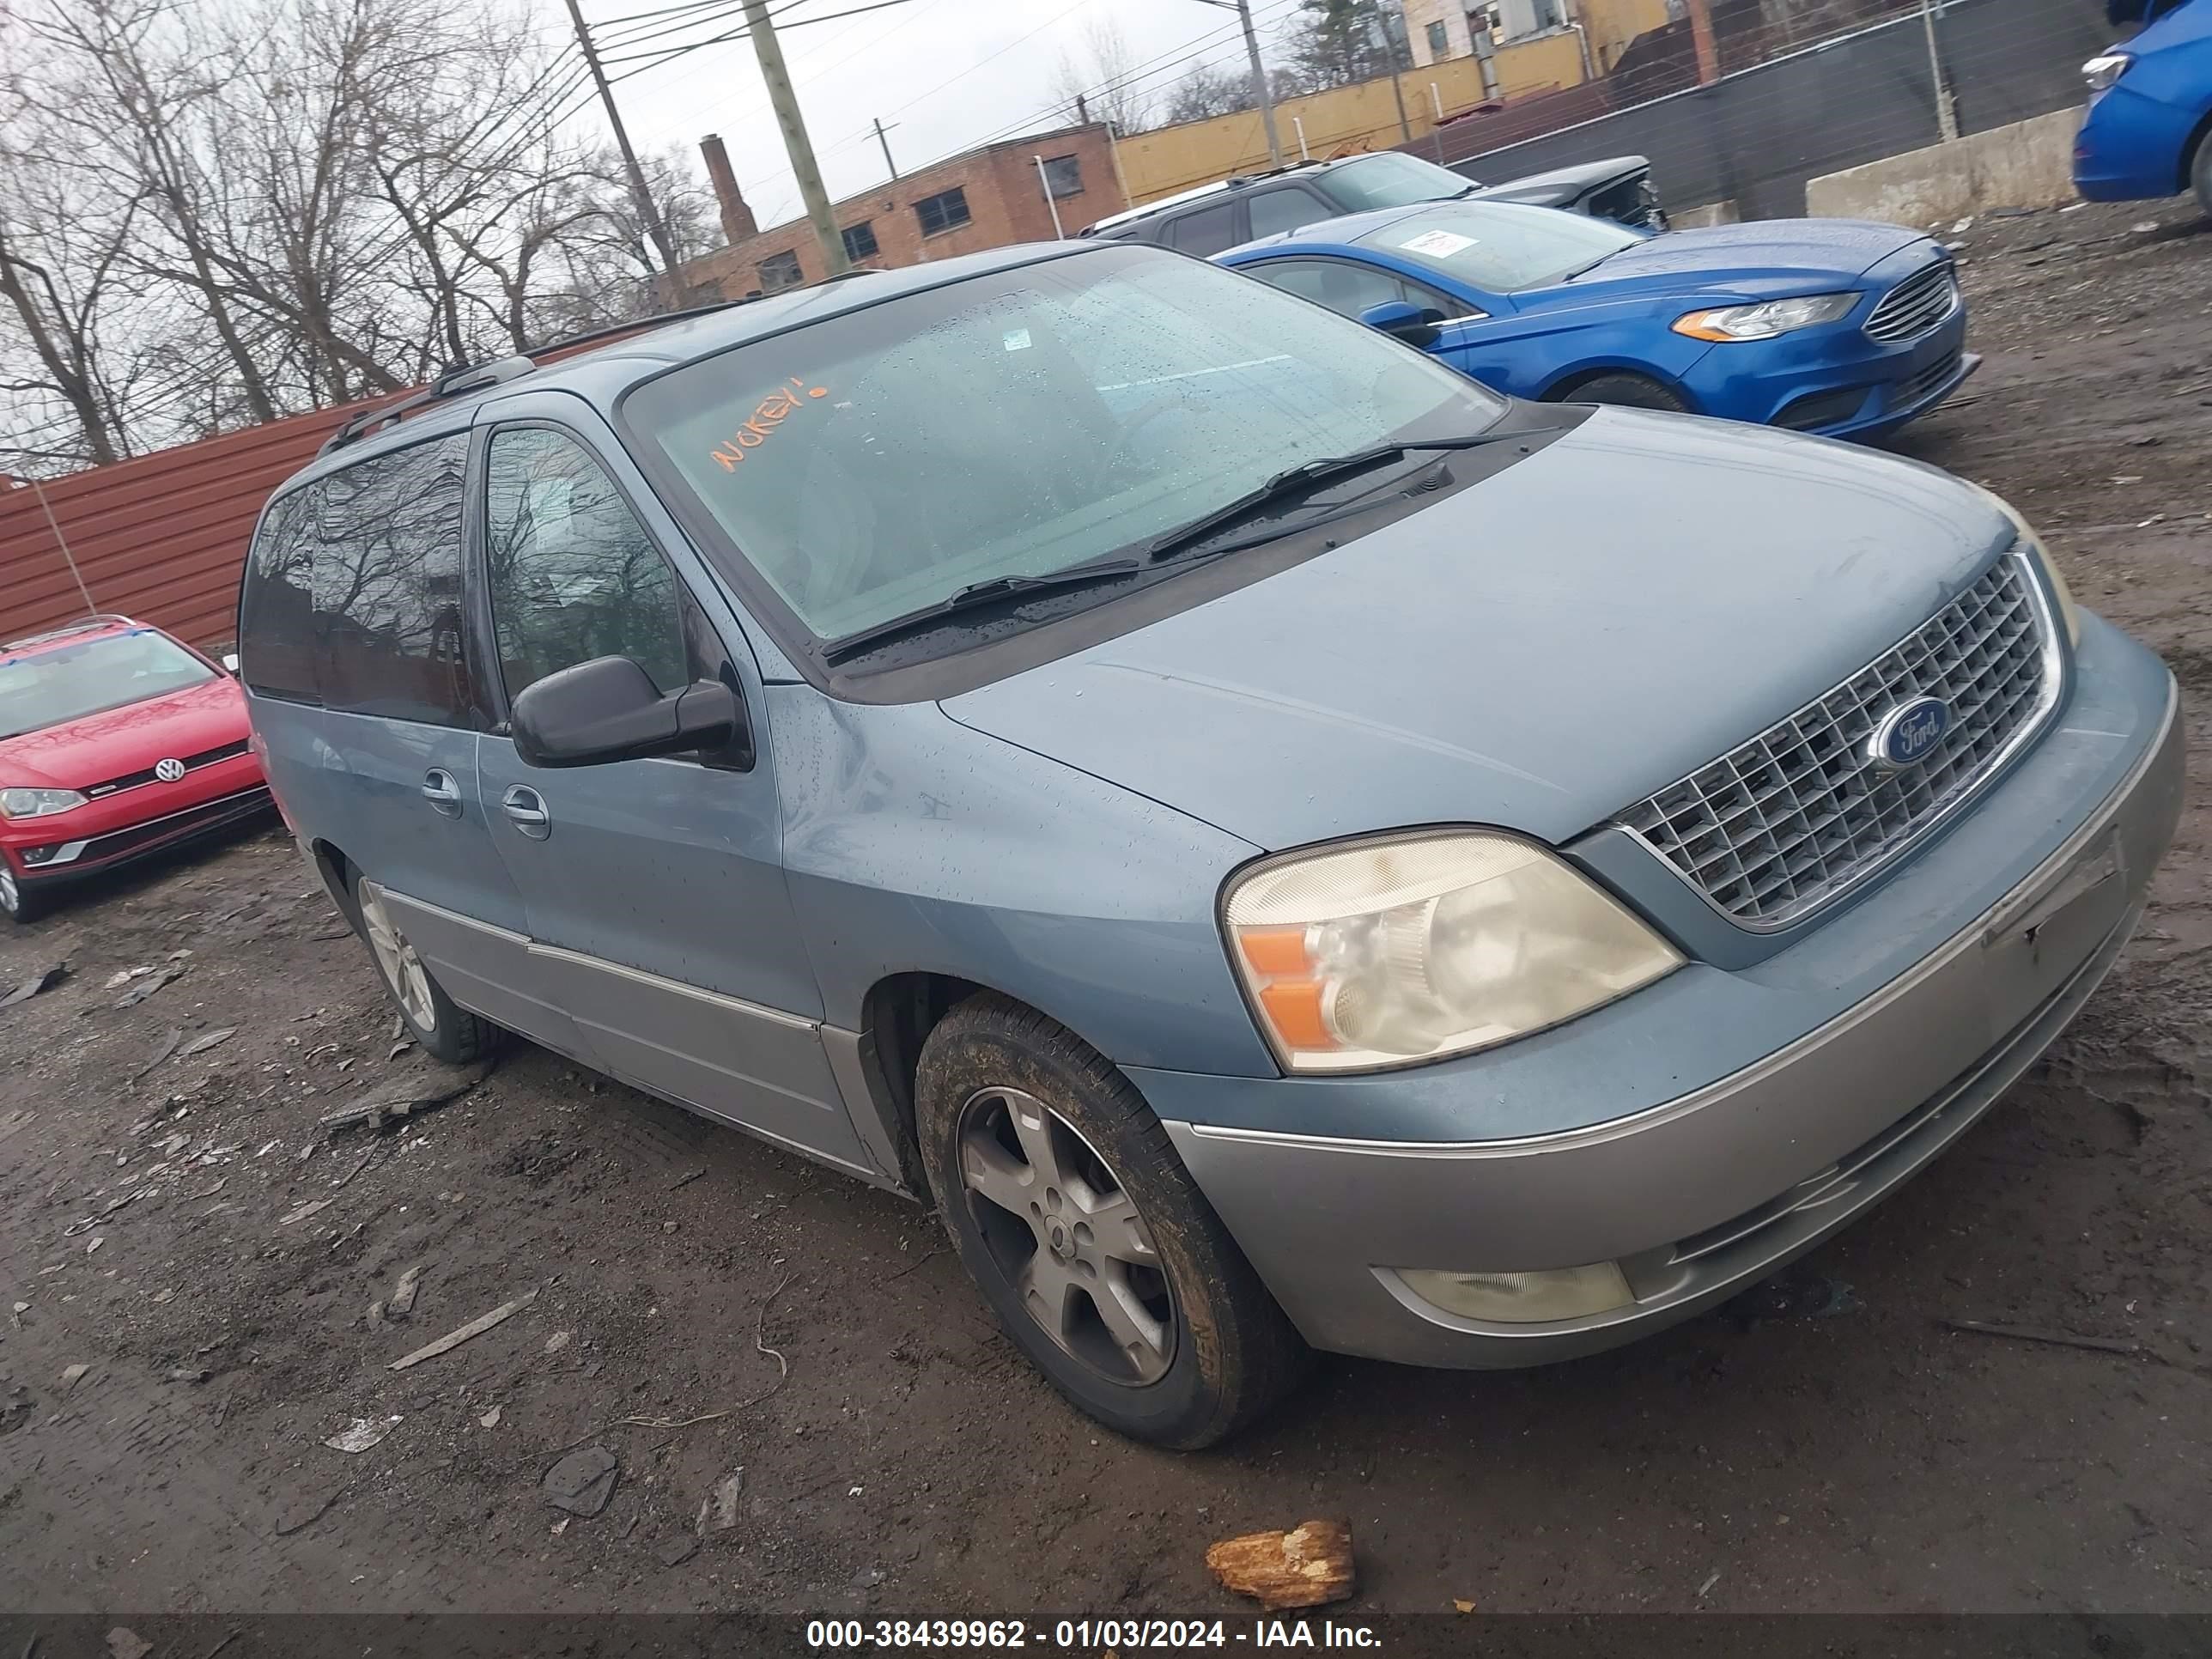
column 54, row 685
column 1502, row 247
column 386, row 584
column 945, row 211
column 1390, row 180
column 1345, row 289
column 1016, row 423
column 780, row 271
column 573, row 575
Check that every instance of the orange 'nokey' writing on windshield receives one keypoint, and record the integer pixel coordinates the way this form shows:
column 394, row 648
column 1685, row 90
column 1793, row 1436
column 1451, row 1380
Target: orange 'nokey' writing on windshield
column 767, row 416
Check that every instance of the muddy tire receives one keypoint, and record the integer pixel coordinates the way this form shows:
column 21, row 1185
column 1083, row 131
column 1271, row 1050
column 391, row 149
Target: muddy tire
column 440, row 1028
column 1076, row 1220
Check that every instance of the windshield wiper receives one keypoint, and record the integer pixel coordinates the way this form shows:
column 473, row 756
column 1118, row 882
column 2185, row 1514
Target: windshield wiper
column 1298, row 480
column 975, row 596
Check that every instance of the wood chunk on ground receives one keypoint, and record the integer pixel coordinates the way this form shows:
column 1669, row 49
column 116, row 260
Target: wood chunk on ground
column 1306, row 1567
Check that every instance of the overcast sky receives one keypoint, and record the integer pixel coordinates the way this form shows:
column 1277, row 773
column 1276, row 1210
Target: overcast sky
column 944, row 74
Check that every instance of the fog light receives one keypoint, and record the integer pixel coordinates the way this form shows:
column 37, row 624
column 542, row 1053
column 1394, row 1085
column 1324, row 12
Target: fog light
column 41, row 854
column 1523, row 1298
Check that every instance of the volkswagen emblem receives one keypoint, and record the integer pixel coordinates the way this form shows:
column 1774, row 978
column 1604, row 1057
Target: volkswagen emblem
column 1908, row 733
column 168, row 770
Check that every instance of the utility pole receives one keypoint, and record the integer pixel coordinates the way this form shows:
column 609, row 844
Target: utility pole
column 1259, row 93
column 1701, row 35
column 796, row 144
column 672, row 282
column 886, row 143
column 1397, row 87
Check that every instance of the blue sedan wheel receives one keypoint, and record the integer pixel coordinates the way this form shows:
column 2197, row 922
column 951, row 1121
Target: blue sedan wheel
column 1628, row 391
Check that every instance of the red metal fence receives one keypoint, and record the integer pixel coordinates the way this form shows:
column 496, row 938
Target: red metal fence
column 161, row 537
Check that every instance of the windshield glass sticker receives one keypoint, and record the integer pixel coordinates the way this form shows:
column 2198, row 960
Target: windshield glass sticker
column 767, row 416
column 1437, row 244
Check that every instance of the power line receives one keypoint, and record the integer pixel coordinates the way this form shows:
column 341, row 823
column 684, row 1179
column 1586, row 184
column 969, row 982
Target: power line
column 652, row 59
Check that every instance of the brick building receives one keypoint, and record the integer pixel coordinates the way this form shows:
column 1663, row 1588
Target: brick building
column 985, row 198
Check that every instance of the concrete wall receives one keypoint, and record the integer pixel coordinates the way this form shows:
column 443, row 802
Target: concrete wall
column 1340, row 121
column 2027, row 164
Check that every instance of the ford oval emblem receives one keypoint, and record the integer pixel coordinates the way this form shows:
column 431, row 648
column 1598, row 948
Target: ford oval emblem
column 1908, row 733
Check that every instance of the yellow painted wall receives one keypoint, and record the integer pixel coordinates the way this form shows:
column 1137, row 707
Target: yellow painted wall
column 1343, row 120
column 1613, row 24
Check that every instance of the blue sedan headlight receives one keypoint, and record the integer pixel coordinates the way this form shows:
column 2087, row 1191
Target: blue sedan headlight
column 1766, row 319
column 2102, row 72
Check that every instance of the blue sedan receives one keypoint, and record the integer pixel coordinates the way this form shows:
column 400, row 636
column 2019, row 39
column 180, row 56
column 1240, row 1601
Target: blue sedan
column 2148, row 131
column 1825, row 326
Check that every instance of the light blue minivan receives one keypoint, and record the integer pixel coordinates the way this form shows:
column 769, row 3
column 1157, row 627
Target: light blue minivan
column 1285, row 847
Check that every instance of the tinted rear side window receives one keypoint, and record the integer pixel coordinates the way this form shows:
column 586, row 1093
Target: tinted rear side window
column 387, row 585
column 277, row 653
column 1205, row 230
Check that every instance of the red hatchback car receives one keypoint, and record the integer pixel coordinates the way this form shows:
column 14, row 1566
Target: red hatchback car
column 115, row 740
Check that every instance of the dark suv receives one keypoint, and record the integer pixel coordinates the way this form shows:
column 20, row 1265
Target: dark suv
column 1233, row 211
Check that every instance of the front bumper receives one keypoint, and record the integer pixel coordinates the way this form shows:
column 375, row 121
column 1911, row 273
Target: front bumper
column 1705, row 1194
column 2131, row 149
column 62, row 855
column 1833, row 382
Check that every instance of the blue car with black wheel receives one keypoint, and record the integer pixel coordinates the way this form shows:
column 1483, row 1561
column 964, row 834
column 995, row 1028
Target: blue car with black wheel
column 2148, row 131
column 1831, row 326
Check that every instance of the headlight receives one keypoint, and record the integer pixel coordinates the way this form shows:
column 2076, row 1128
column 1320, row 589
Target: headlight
column 1413, row 947
column 2068, row 612
column 1766, row 319
column 37, row 803
column 2103, row 71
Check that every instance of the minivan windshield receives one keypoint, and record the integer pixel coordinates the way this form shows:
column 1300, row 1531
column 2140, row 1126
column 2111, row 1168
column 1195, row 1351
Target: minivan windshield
column 1502, row 247
column 1021, row 423
column 58, row 683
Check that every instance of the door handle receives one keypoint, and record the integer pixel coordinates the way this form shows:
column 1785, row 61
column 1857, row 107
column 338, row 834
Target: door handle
column 525, row 809
column 441, row 792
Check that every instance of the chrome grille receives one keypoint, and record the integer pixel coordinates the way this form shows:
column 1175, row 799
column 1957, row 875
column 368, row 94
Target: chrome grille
column 1924, row 301
column 1802, row 813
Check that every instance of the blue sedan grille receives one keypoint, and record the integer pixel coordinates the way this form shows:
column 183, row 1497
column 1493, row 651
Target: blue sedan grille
column 1924, row 302
column 1804, row 811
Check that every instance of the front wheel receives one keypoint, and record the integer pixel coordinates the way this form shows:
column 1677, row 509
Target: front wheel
column 18, row 903
column 1625, row 391
column 1102, row 1261
column 2200, row 172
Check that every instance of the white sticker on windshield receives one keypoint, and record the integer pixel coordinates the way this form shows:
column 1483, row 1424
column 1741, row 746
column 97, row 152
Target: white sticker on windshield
column 1437, row 244
column 1018, row 339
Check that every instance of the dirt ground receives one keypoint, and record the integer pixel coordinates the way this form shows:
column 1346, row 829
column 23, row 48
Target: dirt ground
column 704, row 1305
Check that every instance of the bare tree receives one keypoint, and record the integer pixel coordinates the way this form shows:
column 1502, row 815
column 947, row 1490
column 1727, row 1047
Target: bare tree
column 1205, row 92
column 1101, row 78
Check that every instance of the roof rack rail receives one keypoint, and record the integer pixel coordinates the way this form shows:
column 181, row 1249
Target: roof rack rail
column 470, row 377
column 476, row 377
column 98, row 619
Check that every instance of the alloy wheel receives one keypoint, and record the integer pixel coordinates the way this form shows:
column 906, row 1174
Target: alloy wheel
column 11, row 895
column 402, row 968
column 1066, row 1236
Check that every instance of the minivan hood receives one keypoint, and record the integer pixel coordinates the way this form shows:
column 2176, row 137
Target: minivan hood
column 1537, row 650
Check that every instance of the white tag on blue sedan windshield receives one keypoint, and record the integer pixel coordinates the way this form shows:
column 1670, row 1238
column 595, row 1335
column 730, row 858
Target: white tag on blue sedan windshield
column 1437, row 244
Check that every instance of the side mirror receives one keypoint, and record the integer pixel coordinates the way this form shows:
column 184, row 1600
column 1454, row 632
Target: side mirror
column 1415, row 325
column 609, row 709
column 230, row 664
